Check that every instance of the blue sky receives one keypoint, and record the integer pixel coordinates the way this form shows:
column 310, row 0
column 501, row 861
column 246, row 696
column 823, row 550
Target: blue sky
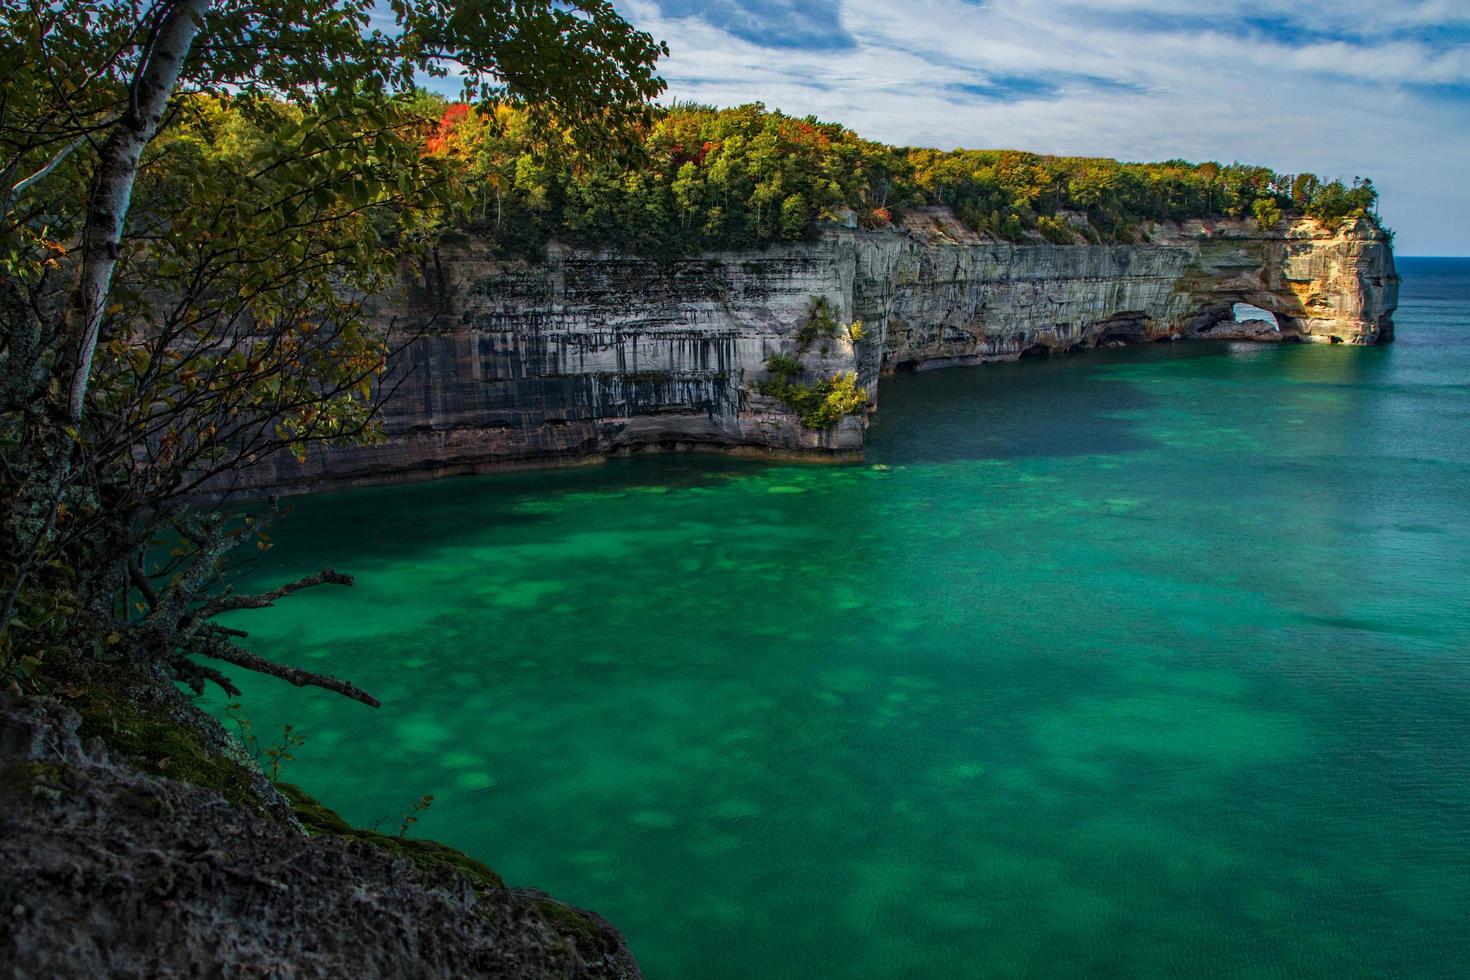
column 1340, row 87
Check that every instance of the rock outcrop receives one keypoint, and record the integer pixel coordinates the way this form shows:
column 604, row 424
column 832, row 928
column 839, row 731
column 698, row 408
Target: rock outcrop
column 594, row 353
column 108, row 869
column 941, row 296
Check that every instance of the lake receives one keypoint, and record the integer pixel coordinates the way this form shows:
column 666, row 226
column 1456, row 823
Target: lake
column 1136, row 662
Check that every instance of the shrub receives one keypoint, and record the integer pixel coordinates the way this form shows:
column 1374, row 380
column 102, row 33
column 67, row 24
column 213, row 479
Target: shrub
column 784, row 366
column 819, row 322
column 820, row 405
column 835, row 398
column 1055, row 230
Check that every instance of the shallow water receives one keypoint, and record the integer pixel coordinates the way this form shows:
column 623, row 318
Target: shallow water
column 1139, row 662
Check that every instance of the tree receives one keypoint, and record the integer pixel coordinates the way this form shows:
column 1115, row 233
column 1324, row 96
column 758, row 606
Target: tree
column 196, row 199
column 1267, row 212
column 794, row 217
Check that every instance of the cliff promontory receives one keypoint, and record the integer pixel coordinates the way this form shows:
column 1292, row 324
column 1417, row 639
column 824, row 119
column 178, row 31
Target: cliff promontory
column 590, row 353
column 139, row 841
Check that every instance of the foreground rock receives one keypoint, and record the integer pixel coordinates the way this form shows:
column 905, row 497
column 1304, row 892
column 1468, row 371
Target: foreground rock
column 595, row 353
column 109, row 870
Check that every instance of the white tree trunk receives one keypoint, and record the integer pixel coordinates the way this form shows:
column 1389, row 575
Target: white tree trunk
column 117, row 171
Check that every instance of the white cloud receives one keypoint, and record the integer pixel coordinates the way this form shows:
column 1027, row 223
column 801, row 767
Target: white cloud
column 1359, row 102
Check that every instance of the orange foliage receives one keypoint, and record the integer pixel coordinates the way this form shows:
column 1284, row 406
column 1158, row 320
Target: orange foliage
column 453, row 116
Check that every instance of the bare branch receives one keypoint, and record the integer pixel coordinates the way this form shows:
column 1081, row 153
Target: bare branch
column 195, row 674
column 221, row 649
column 40, row 175
column 229, row 603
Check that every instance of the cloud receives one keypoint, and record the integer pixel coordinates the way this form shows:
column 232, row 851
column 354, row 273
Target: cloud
column 772, row 23
column 1342, row 88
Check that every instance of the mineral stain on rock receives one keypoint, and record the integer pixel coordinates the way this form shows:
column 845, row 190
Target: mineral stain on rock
column 595, row 353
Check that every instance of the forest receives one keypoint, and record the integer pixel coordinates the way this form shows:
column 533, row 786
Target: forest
column 703, row 178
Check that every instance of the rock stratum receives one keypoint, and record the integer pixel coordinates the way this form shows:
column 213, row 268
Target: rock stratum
column 594, row 353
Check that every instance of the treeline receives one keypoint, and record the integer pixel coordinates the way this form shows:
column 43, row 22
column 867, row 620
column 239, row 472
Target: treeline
column 711, row 178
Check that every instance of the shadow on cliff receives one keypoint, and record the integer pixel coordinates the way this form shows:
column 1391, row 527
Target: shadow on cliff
column 1060, row 406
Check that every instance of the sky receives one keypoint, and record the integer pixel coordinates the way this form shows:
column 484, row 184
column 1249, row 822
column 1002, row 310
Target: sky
column 1378, row 88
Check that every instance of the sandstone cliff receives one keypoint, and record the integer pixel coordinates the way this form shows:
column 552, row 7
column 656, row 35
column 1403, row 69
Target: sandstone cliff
column 593, row 353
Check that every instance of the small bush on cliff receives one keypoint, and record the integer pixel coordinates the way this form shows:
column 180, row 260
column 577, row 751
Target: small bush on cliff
column 270, row 758
column 820, row 405
column 1056, row 231
column 837, row 397
column 819, row 322
column 784, row 366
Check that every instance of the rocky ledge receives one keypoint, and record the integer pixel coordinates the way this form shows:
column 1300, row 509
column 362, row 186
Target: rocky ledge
column 133, row 845
column 589, row 354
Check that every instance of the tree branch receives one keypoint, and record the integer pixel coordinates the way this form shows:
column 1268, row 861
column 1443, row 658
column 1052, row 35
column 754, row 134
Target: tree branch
column 221, row 649
column 229, row 603
column 22, row 186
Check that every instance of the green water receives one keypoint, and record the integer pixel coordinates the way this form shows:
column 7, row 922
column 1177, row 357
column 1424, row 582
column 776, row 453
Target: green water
column 1143, row 662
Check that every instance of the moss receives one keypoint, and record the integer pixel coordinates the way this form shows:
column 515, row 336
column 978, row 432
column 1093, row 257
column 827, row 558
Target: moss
column 433, row 856
column 139, row 723
column 568, row 921
column 426, row 854
column 316, row 818
column 35, row 779
column 162, row 746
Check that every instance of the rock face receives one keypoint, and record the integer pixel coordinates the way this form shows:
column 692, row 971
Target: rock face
column 107, row 871
column 595, row 353
column 940, row 296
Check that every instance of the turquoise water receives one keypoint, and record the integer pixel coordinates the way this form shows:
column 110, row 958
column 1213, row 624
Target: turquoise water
column 1133, row 663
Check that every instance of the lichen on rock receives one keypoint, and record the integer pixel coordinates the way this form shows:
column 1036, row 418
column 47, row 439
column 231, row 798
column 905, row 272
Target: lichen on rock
column 112, row 869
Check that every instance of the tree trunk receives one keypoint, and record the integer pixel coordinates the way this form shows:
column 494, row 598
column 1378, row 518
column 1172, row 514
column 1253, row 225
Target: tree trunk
column 117, row 170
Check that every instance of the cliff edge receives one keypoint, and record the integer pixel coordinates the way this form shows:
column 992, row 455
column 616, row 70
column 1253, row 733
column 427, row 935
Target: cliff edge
column 593, row 353
column 137, row 845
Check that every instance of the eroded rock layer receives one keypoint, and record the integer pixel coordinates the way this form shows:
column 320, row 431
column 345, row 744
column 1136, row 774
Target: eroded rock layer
column 593, row 353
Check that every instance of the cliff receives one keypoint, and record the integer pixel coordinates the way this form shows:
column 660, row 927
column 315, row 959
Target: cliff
column 138, row 841
column 940, row 296
column 595, row 353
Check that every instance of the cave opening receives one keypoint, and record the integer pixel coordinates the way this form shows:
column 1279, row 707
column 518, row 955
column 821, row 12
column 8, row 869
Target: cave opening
column 1247, row 312
column 1120, row 329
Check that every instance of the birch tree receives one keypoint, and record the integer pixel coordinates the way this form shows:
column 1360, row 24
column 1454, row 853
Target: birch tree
column 196, row 196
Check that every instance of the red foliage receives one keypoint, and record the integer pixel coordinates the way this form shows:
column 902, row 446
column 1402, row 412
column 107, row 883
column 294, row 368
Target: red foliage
column 680, row 155
column 453, row 116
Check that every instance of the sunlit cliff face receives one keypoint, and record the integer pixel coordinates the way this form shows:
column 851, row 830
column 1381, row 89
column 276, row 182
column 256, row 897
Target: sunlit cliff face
column 597, row 353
